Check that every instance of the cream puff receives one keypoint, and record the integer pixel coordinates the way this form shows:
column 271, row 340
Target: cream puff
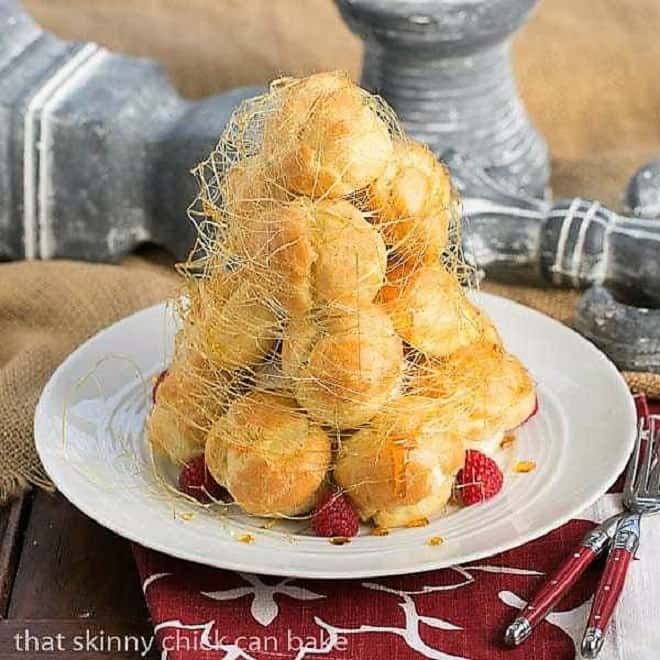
column 207, row 293
column 430, row 310
column 189, row 399
column 238, row 326
column 276, row 247
column 351, row 255
column 326, row 138
column 271, row 458
column 401, row 468
column 247, row 188
column 487, row 390
column 308, row 254
column 413, row 201
column 343, row 367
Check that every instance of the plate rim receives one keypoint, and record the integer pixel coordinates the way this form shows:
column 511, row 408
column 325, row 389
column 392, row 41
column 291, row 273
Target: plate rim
column 223, row 562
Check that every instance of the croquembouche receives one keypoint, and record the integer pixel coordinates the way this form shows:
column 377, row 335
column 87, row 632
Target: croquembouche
column 327, row 343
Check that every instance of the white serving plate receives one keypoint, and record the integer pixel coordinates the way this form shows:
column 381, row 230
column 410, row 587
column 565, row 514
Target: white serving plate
column 89, row 435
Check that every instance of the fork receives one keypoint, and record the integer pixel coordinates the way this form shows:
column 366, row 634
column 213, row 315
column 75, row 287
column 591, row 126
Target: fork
column 641, row 495
column 567, row 574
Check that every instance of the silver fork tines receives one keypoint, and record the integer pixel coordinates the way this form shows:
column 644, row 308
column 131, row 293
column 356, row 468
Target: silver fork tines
column 641, row 495
column 642, row 486
column 633, row 463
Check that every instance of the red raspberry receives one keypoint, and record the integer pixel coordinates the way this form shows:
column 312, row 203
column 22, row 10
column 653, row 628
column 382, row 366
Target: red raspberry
column 334, row 516
column 159, row 381
column 480, row 479
column 195, row 480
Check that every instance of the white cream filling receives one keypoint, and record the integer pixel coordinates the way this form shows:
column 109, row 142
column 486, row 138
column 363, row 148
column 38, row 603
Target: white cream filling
column 427, row 507
column 426, row 456
column 438, row 478
column 488, row 446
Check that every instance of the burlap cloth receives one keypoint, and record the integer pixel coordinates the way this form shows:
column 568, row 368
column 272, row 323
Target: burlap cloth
column 588, row 73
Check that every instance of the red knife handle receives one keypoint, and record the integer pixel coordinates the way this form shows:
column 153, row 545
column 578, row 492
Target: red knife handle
column 609, row 588
column 624, row 546
column 551, row 592
column 593, row 543
column 557, row 585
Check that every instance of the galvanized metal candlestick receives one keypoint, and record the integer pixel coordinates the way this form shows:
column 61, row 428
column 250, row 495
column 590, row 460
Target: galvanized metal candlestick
column 95, row 147
column 444, row 65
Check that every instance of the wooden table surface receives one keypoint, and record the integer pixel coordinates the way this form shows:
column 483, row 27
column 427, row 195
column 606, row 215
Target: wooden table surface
column 60, row 572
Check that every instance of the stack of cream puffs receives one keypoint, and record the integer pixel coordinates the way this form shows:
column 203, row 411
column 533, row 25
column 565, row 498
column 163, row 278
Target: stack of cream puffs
column 327, row 340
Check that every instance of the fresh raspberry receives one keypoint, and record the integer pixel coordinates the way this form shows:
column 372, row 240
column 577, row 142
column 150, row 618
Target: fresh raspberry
column 159, row 381
column 195, row 480
column 480, row 479
column 334, row 516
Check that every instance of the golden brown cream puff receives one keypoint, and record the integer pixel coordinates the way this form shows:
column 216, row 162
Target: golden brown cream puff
column 236, row 320
column 412, row 202
column 351, row 256
column 326, row 139
column 429, row 309
column 401, row 468
column 209, row 292
column 247, row 188
column 277, row 249
column 487, row 390
column 189, row 399
column 343, row 366
column 269, row 456
column 307, row 253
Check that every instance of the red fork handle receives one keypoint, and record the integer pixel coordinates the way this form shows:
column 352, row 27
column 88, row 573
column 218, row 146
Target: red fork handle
column 611, row 584
column 550, row 594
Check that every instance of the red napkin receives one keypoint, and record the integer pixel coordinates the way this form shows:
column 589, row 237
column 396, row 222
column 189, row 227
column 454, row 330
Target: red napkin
column 202, row 613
